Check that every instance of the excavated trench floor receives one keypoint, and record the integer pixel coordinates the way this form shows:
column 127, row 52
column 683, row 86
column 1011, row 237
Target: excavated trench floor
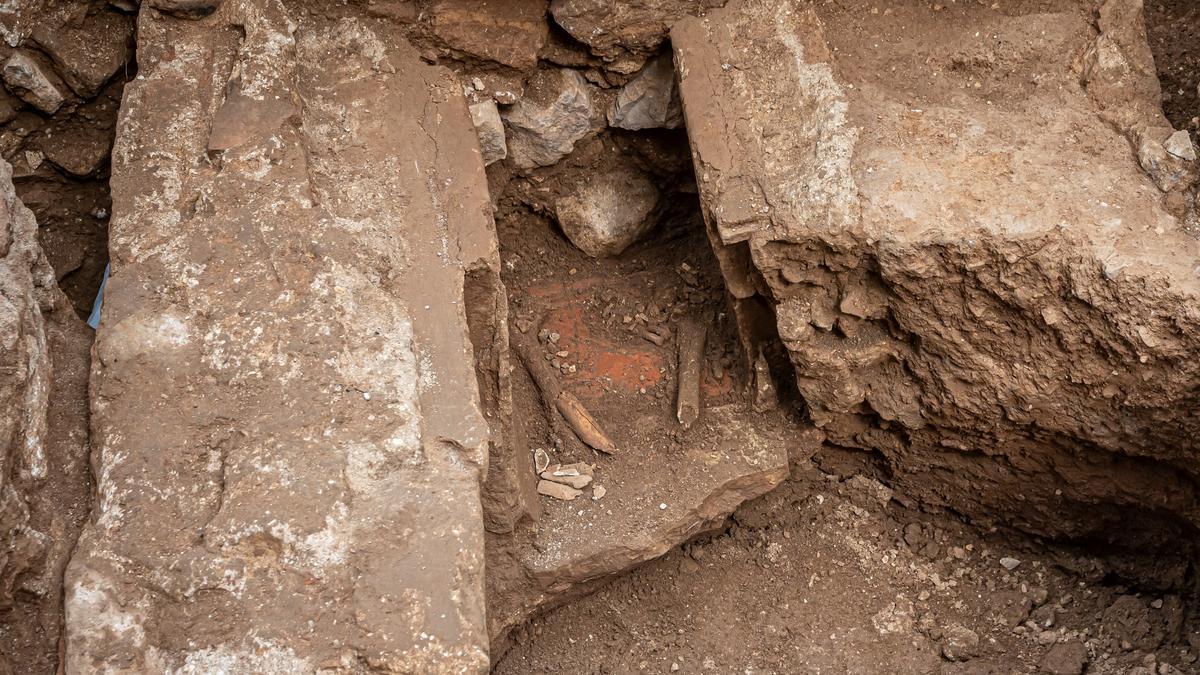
column 830, row 572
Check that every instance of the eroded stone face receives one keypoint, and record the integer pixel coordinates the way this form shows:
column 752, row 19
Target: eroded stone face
column 623, row 32
column 650, row 100
column 288, row 434
column 557, row 112
column 971, row 273
column 505, row 31
column 33, row 82
column 44, row 478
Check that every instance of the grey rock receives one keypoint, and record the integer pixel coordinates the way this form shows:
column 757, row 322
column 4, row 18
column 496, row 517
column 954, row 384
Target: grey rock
column 959, row 643
column 650, row 100
column 1169, row 171
column 578, row 481
column 606, row 214
column 1180, row 145
column 555, row 113
column 1010, row 564
column 490, row 128
column 558, row 491
column 28, row 79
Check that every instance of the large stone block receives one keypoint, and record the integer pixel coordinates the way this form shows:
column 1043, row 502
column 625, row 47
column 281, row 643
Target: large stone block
column 969, row 270
column 288, row 432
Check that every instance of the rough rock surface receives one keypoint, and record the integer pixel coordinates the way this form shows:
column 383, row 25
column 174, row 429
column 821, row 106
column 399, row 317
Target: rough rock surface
column 288, row 430
column 90, row 53
column 490, row 129
column 44, row 476
column 969, row 271
column 506, row 31
column 650, row 100
column 556, row 112
column 609, row 211
column 624, row 32
column 33, row 82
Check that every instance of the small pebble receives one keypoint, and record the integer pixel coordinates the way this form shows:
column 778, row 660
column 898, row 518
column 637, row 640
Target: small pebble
column 1009, row 564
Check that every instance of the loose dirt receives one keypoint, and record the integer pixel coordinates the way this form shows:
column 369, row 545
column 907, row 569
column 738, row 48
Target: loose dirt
column 826, row 575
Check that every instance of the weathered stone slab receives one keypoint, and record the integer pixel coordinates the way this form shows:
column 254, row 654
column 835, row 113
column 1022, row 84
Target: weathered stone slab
column 44, row 473
column 288, row 431
column 969, row 269
column 623, row 32
column 506, row 31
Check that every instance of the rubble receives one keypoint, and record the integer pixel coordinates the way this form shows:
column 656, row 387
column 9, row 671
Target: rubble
column 610, row 211
column 555, row 113
column 650, row 100
column 959, row 643
column 1171, row 171
column 490, row 129
column 560, row 491
column 1179, row 144
column 31, row 81
column 84, row 152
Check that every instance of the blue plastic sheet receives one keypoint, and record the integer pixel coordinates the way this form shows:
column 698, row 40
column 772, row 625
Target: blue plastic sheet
column 94, row 319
